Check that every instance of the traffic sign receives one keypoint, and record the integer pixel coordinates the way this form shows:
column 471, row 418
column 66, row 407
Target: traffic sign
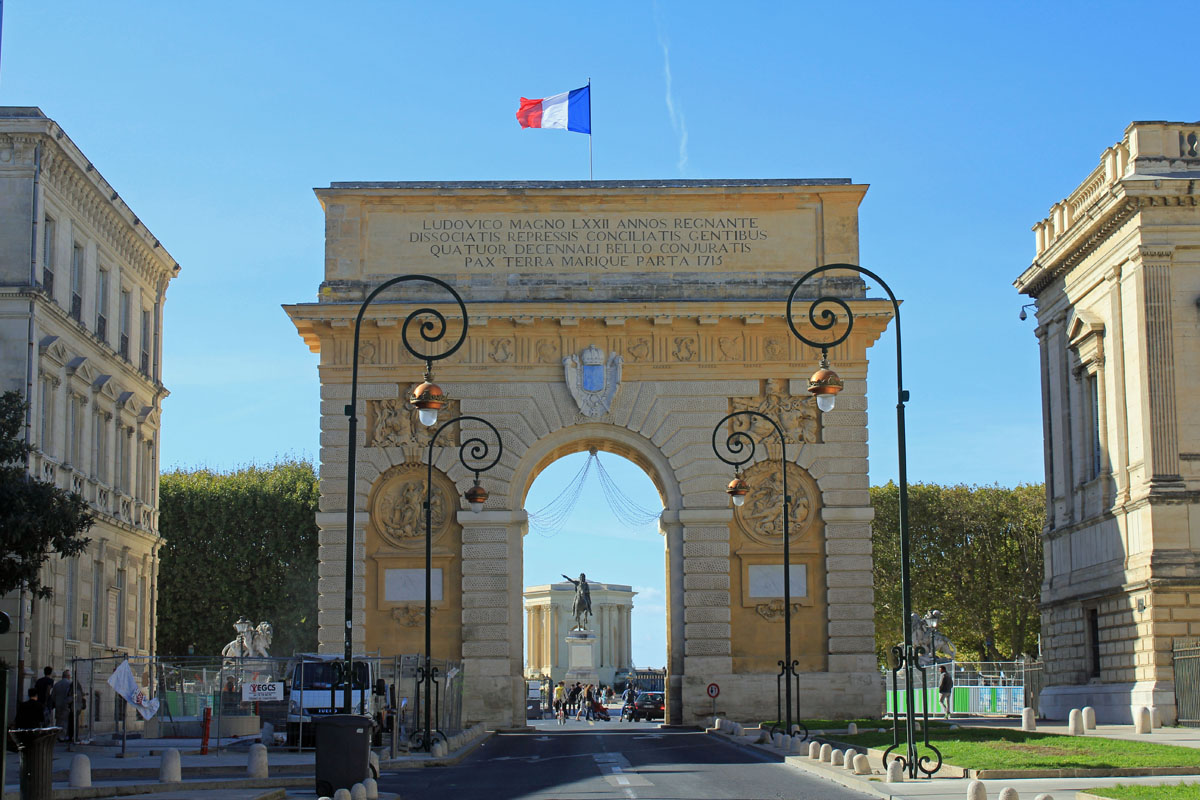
column 713, row 690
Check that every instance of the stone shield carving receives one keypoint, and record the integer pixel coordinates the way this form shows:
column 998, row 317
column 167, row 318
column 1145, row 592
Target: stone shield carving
column 593, row 380
column 761, row 518
column 398, row 510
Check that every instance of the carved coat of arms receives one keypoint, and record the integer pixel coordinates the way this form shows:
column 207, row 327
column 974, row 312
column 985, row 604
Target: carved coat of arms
column 593, row 380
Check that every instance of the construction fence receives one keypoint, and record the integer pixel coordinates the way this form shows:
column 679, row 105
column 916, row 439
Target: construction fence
column 222, row 701
column 981, row 688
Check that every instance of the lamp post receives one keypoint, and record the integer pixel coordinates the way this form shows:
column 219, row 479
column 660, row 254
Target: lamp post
column 476, row 450
column 427, row 397
column 825, row 385
column 741, row 442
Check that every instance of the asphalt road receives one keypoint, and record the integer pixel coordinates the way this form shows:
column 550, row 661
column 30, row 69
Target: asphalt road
column 623, row 761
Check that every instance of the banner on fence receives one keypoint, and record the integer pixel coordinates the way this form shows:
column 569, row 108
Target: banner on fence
column 124, row 684
column 262, row 692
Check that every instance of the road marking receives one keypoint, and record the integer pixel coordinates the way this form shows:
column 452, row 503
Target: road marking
column 613, row 768
column 621, row 779
column 650, row 736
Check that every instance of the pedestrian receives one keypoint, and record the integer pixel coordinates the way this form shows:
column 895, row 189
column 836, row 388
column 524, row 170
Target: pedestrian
column 573, row 699
column 63, row 698
column 31, row 713
column 945, row 689
column 44, row 686
column 560, row 701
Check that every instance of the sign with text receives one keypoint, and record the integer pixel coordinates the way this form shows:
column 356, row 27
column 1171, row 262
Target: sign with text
column 271, row 690
column 587, row 241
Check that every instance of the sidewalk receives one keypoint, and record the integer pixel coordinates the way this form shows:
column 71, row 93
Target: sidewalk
column 937, row 788
column 215, row 776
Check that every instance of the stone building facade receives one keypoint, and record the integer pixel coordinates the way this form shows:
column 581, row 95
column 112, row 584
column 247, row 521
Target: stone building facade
column 669, row 298
column 548, row 620
column 82, row 285
column 1116, row 279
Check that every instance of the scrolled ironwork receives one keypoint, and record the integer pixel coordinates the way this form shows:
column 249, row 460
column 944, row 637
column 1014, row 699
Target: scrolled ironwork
column 739, row 441
column 430, row 330
column 472, row 451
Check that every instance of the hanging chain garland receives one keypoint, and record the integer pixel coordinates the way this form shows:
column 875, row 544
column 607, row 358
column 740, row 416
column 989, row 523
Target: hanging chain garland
column 550, row 519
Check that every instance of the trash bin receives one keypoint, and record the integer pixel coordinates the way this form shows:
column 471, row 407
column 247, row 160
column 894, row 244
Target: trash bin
column 343, row 751
column 37, row 760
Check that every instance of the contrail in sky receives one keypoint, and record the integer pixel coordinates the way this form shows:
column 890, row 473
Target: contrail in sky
column 678, row 121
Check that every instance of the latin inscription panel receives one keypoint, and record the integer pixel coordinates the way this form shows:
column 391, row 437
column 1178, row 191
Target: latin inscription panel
column 666, row 241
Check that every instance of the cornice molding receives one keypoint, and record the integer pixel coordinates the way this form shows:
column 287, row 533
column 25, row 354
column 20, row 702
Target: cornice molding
column 1044, row 273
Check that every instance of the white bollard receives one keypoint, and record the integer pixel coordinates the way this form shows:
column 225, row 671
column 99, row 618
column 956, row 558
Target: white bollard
column 814, row 749
column 797, row 744
column 267, row 735
column 358, row 792
column 1044, row 796
column 372, row 787
column 256, row 764
column 1028, row 719
column 1155, row 717
column 779, row 740
column 373, row 762
column 1089, row 718
column 1009, row 793
column 837, row 758
column 826, row 752
column 862, row 764
column 81, row 772
column 1141, row 720
column 168, row 768
column 850, row 754
column 976, row 791
column 717, row 723
column 895, row 771
column 796, row 729
column 1075, row 722
column 852, row 729
column 342, row 794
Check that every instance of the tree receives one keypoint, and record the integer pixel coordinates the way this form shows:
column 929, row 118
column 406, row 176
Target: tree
column 36, row 518
column 975, row 554
column 239, row 543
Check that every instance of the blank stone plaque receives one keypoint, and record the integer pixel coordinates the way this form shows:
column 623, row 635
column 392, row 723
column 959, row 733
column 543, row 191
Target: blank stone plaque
column 408, row 585
column 766, row 580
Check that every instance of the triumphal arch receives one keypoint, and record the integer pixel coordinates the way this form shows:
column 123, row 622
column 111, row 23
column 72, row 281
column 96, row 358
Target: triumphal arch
column 628, row 316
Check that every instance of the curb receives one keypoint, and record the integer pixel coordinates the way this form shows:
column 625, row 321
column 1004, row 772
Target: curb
column 411, row 762
column 275, row 788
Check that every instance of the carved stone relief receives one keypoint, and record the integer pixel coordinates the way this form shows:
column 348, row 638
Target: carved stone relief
column 797, row 416
column 501, row 351
column 547, row 351
column 773, row 611
column 412, row 615
column 685, row 349
column 639, row 350
column 393, row 423
column 730, row 347
column 761, row 518
column 398, row 511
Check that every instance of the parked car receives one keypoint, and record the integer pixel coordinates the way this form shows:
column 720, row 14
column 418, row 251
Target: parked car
column 649, row 705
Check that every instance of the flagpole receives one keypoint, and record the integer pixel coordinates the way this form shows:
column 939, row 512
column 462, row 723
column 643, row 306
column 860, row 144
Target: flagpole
column 590, row 178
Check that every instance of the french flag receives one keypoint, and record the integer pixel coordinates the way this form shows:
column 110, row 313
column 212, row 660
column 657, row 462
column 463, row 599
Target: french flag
column 570, row 111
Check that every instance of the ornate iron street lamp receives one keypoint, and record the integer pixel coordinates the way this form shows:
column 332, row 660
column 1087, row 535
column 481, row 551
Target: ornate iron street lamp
column 741, row 442
column 825, row 384
column 476, row 449
column 427, row 397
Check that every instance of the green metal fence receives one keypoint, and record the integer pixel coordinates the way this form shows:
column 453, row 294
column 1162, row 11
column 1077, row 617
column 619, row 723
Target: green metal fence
column 1187, row 681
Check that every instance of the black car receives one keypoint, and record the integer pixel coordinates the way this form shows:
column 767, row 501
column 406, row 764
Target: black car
column 649, row 705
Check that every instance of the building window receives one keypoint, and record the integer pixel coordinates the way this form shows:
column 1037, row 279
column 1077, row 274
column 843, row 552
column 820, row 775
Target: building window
column 47, row 413
column 120, row 608
column 102, row 305
column 72, row 597
column 1093, row 623
column 1093, row 398
column 141, row 613
column 145, row 363
column 99, row 445
column 97, row 600
column 77, row 283
column 48, row 257
column 121, row 472
column 123, row 345
column 72, row 452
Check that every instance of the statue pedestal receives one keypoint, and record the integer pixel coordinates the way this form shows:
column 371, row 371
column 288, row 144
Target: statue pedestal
column 581, row 658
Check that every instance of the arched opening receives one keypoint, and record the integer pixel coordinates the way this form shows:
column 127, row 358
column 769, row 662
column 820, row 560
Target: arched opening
column 594, row 507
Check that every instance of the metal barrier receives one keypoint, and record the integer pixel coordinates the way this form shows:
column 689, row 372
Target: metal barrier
column 224, row 700
column 980, row 688
column 1186, row 659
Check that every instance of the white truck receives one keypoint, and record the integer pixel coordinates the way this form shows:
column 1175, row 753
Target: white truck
column 318, row 687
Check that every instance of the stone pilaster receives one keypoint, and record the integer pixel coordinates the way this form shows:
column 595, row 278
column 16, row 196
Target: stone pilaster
column 1160, row 364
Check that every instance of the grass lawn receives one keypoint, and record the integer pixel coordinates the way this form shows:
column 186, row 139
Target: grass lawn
column 997, row 748
column 1183, row 791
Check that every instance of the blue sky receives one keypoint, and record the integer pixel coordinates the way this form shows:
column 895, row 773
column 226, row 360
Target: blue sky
column 215, row 121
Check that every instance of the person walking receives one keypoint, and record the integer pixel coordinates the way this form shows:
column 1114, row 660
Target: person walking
column 945, row 690
column 30, row 713
column 560, row 703
column 62, row 696
column 43, row 687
